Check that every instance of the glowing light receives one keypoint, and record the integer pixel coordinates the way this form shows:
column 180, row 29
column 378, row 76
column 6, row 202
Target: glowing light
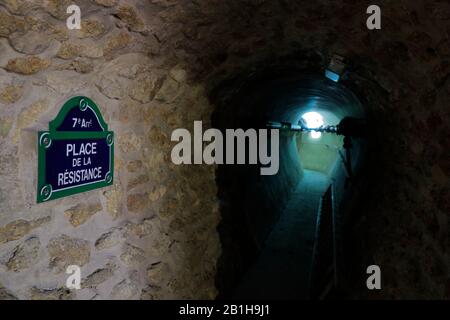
column 316, row 135
column 332, row 75
column 313, row 120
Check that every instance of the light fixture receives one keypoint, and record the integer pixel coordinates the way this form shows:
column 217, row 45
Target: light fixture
column 331, row 75
column 336, row 68
column 313, row 120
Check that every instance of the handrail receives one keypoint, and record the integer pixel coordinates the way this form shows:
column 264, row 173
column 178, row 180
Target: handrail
column 323, row 275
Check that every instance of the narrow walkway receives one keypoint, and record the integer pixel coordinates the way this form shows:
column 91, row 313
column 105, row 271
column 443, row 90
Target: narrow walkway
column 283, row 267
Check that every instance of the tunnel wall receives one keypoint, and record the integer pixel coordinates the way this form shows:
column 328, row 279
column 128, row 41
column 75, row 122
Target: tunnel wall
column 346, row 194
column 268, row 195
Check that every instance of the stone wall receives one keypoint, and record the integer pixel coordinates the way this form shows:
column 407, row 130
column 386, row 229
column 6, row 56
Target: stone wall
column 141, row 237
column 150, row 66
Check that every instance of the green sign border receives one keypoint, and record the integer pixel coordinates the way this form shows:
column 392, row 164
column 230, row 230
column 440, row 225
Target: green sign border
column 44, row 190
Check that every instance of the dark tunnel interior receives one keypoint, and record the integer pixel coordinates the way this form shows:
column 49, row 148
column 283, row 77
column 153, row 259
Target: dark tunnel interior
column 269, row 222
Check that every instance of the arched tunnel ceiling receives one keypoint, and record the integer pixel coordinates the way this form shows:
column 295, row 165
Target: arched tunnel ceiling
column 291, row 98
column 287, row 95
